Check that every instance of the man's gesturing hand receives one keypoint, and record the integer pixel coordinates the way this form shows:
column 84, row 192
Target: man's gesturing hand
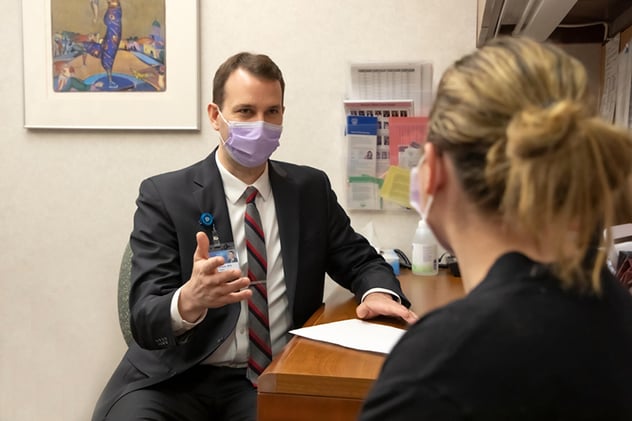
column 207, row 287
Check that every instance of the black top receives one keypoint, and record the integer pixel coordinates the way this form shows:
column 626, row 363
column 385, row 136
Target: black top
column 518, row 347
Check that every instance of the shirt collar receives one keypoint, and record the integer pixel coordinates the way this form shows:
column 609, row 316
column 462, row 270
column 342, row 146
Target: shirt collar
column 512, row 269
column 234, row 188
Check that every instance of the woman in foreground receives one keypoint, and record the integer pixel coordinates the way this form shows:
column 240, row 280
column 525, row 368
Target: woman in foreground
column 519, row 180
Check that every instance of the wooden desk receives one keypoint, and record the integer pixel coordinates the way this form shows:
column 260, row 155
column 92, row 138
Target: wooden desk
column 312, row 380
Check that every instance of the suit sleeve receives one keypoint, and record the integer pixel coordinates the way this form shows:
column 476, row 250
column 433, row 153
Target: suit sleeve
column 155, row 270
column 352, row 261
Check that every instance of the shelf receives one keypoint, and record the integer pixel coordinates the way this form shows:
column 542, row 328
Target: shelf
column 588, row 21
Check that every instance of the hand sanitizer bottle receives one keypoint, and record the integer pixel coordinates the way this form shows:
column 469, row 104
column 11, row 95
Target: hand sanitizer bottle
column 424, row 251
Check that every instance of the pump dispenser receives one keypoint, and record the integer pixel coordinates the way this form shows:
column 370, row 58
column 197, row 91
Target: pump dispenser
column 424, row 251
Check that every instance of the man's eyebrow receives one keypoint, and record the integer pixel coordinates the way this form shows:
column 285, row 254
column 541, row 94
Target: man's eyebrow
column 251, row 106
column 242, row 106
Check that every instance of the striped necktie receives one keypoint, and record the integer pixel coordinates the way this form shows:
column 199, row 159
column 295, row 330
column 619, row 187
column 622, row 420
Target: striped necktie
column 260, row 350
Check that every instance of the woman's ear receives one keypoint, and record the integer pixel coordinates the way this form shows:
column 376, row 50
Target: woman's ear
column 434, row 175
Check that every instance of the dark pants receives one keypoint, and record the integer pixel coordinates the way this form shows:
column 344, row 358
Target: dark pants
column 204, row 393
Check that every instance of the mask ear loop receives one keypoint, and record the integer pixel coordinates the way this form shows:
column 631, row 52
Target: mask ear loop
column 414, row 190
column 222, row 116
column 227, row 124
column 429, row 198
column 424, row 215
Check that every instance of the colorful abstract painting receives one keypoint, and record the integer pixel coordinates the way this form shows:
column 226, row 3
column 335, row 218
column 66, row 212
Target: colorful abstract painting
column 108, row 45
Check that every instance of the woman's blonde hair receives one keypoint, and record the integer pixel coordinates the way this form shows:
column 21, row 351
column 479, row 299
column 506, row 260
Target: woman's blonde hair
column 528, row 146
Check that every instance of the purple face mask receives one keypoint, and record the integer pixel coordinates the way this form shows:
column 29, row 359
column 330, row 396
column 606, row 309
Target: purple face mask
column 251, row 143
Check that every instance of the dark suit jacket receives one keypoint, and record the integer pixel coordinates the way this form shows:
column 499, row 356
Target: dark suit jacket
column 316, row 237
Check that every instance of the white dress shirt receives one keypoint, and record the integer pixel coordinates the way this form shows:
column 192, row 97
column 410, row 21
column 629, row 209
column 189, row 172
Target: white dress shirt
column 234, row 351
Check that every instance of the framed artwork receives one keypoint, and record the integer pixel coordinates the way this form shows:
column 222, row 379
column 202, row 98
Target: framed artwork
column 111, row 64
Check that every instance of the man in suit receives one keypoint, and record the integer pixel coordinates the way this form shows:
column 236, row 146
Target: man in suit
column 189, row 314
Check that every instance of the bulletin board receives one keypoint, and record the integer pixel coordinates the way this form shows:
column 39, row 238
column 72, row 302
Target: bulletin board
column 385, row 128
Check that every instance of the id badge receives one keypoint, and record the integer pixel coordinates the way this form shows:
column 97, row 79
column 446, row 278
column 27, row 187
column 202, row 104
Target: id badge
column 228, row 252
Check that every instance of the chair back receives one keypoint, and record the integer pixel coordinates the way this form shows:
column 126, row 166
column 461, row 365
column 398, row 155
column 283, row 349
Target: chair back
column 124, row 282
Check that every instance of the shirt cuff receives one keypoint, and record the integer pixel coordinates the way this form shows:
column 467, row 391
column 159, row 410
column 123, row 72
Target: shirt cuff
column 384, row 290
column 178, row 324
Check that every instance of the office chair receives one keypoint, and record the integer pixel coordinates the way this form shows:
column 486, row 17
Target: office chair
column 124, row 281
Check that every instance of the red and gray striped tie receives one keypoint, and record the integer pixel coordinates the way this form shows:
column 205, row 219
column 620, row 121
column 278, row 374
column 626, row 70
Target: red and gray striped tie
column 260, row 353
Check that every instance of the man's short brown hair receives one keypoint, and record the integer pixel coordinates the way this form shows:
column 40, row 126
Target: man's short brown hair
column 259, row 65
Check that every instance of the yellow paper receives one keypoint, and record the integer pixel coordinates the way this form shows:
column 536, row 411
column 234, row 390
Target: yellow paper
column 396, row 186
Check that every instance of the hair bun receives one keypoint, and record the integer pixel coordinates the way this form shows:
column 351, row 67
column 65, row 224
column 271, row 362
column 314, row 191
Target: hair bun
column 534, row 132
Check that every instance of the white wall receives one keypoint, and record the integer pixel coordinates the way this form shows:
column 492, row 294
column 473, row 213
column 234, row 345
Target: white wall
column 67, row 197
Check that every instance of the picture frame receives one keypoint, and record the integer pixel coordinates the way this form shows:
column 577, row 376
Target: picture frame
column 177, row 107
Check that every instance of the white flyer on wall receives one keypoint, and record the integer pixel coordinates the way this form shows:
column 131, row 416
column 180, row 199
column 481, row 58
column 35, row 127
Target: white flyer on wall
column 412, row 81
column 624, row 87
column 383, row 110
column 609, row 94
column 363, row 185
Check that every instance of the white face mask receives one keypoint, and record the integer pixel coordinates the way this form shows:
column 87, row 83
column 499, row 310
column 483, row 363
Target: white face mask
column 414, row 196
column 423, row 209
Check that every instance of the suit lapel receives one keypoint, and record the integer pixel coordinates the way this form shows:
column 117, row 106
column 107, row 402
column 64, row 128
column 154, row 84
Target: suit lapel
column 286, row 199
column 210, row 197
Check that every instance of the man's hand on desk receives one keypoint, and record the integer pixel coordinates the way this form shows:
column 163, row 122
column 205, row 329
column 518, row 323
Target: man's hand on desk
column 382, row 304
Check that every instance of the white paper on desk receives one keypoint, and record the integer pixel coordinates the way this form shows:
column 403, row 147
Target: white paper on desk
column 354, row 333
